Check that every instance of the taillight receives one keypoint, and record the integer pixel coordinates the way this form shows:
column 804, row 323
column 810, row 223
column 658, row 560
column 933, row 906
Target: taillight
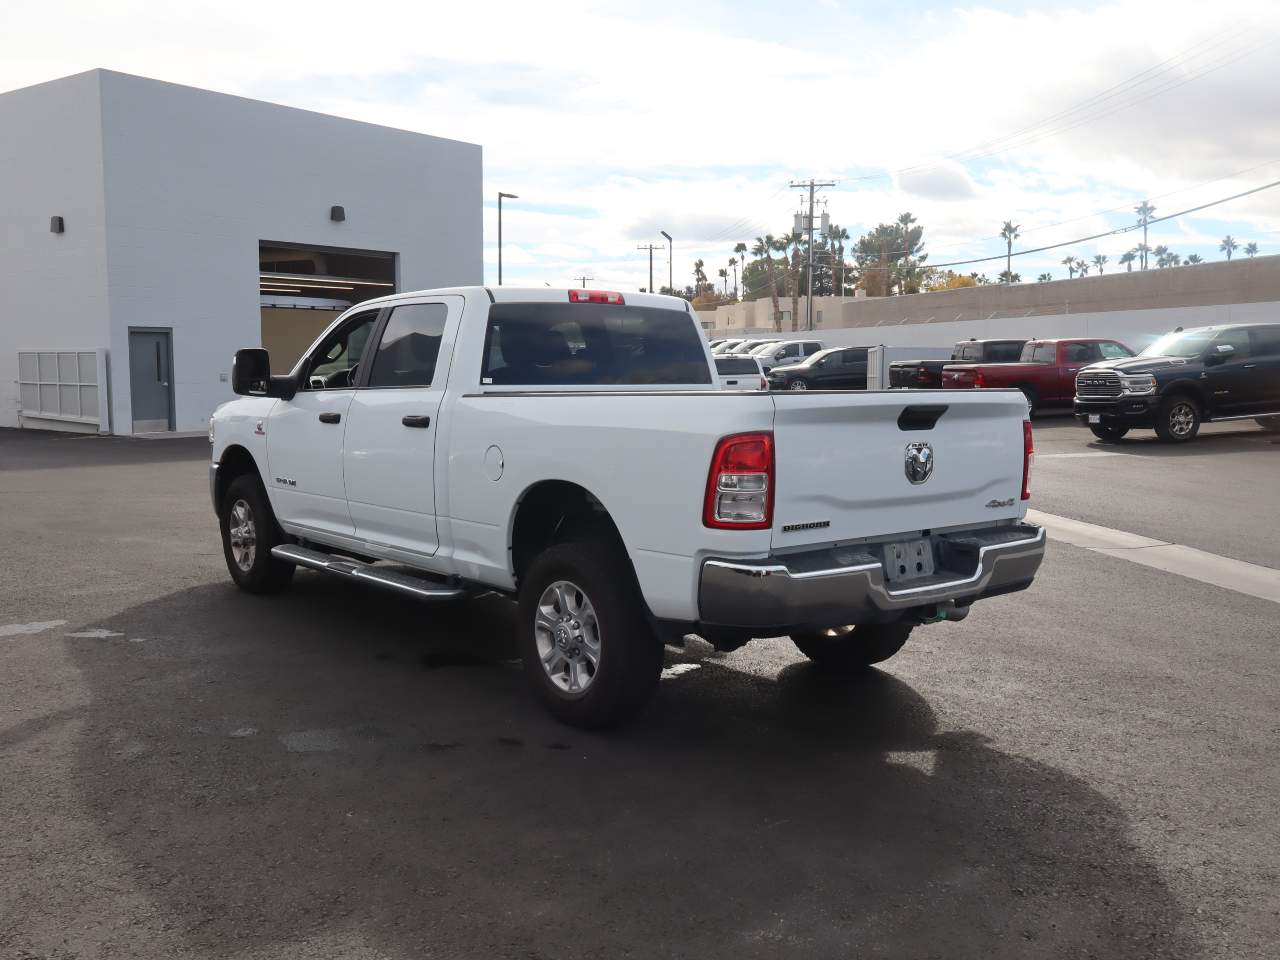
column 740, row 484
column 922, row 375
column 594, row 296
column 1028, row 455
column 979, row 380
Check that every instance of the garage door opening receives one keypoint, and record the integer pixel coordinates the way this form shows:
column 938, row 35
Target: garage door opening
column 303, row 288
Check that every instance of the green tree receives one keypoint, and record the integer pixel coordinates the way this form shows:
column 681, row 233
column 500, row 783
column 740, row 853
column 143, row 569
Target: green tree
column 763, row 248
column 1044, row 278
column 836, row 236
column 740, row 253
column 1100, row 261
column 1082, row 268
column 699, row 277
column 1070, row 264
column 1228, row 245
column 1144, row 210
column 1010, row 233
column 1250, row 249
column 1193, row 259
column 723, row 274
column 793, row 241
column 1127, row 258
column 1008, row 276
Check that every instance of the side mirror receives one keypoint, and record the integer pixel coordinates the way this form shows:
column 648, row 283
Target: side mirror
column 251, row 376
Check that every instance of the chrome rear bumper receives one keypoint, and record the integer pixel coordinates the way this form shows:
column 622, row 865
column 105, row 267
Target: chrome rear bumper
column 844, row 586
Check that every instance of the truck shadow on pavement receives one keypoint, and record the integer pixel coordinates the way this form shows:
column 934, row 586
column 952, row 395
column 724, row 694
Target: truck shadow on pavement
column 334, row 766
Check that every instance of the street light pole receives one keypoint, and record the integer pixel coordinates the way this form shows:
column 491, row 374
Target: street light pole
column 509, row 196
column 670, row 254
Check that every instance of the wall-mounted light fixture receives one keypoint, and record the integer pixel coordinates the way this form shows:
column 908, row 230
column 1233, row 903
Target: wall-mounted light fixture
column 57, row 225
column 337, row 214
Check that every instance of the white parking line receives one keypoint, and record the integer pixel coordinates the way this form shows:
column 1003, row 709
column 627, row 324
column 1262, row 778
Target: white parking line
column 1251, row 579
column 1077, row 456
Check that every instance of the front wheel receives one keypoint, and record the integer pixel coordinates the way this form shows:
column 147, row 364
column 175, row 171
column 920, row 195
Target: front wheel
column 849, row 649
column 1108, row 434
column 1271, row 424
column 1178, row 420
column 249, row 531
column 798, row 385
column 585, row 640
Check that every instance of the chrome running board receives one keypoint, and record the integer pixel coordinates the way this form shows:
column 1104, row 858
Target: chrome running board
column 405, row 583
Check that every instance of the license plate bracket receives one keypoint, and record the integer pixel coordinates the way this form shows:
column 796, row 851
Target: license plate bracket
column 908, row 560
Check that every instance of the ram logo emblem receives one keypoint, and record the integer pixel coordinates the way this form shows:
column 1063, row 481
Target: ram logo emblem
column 919, row 462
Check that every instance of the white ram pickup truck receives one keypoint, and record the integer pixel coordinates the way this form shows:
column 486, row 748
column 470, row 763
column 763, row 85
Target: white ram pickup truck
column 573, row 449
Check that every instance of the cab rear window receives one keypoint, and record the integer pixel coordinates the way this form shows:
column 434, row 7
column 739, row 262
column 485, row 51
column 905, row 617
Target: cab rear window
column 591, row 344
column 728, row 366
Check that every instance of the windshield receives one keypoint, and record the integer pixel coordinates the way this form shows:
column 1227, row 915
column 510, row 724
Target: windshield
column 814, row 358
column 1191, row 343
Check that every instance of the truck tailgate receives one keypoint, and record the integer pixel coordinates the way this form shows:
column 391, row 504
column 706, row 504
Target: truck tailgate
column 841, row 470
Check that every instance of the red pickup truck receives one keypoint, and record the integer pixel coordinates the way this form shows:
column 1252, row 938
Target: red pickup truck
column 1046, row 372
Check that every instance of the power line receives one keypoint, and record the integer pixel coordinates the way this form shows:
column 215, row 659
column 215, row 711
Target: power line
column 1111, row 233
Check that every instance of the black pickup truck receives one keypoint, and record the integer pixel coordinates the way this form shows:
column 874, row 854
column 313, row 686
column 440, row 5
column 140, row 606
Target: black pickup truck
column 927, row 374
column 1184, row 379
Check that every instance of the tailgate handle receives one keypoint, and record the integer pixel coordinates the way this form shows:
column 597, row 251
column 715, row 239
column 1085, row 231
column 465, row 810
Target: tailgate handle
column 921, row 417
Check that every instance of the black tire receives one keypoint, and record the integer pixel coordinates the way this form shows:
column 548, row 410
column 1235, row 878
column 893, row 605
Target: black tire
column 1178, row 420
column 1033, row 401
column 1271, row 424
column 799, row 383
column 628, row 658
column 1108, row 434
column 253, row 570
column 849, row 649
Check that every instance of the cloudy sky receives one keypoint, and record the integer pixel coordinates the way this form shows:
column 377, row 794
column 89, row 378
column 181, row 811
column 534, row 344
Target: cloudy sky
column 614, row 121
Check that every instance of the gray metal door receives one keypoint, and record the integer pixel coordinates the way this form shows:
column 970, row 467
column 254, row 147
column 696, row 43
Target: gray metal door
column 150, row 380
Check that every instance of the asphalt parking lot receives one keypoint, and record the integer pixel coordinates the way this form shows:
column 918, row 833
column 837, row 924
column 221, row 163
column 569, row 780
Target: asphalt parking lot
column 1087, row 769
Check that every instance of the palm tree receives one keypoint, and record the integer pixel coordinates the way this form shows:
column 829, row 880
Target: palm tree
column 1008, row 276
column 733, row 264
column 1010, row 233
column 1250, row 249
column 1098, row 262
column 793, row 240
column 1193, row 259
column 1228, row 245
column 1127, row 259
column 723, row 274
column 764, row 247
column 837, row 236
column 1162, row 255
column 1142, row 250
column 739, row 251
column 1144, row 210
column 1070, row 264
column 699, row 277
column 1082, row 267
column 1044, row 278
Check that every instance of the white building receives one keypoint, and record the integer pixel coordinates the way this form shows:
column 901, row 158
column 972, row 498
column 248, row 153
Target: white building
column 148, row 230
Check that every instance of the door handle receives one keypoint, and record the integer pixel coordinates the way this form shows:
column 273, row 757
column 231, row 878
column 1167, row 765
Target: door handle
column 419, row 421
column 330, row 418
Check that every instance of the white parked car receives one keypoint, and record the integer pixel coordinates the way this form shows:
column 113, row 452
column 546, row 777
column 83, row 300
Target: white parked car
column 741, row 373
column 573, row 449
column 778, row 353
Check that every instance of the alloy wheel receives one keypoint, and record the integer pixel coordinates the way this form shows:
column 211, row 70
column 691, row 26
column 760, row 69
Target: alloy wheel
column 242, row 532
column 1181, row 419
column 567, row 632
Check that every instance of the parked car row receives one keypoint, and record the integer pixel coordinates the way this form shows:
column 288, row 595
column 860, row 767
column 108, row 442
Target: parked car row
column 1180, row 381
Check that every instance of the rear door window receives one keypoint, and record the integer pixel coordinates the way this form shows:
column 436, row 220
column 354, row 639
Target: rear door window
column 1082, row 352
column 731, row 366
column 409, row 347
column 1004, row 352
column 1266, row 341
column 591, row 344
column 1040, row 353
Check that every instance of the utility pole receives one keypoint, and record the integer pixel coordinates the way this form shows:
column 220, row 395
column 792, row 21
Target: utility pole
column 671, row 279
column 650, row 247
column 584, row 281
column 811, row 185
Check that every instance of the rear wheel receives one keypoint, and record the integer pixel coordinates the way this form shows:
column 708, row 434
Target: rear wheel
column 1269, row 423
column 585, row 640
column 798, row 384
column 1178, row 420
column 1108, row 434
column 849, row 649
column 1033, row 400
column 249, row 531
